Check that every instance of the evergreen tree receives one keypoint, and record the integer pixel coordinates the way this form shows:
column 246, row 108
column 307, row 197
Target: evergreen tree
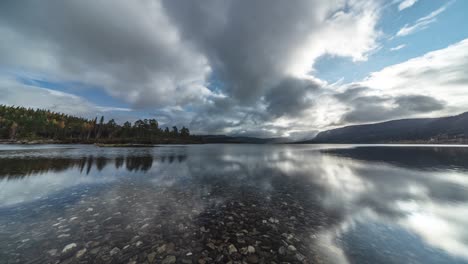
column 19, row 123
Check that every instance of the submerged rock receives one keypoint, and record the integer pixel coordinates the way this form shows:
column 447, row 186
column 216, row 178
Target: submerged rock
column 282, row 250
column 250, row 250
column 96, row 250
column 232, row 249
column 169, row 260
column 52, row 252
column 80, row 253
column 211, row 246
column 292, row 248
column 68, row 248
column 300, row 257
column 151, row 257
column 114, row 251
column 252, row 259
column 186, row 261
column 161, row 249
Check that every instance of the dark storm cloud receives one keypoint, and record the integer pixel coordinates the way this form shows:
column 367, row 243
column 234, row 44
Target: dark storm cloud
column 291, row 96
column 250, row 42
column 369, row 108
column 418, row 103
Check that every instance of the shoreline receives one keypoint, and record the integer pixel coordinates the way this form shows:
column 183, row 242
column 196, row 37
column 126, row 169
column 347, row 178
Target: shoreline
column 193, row 142
column 100, row 144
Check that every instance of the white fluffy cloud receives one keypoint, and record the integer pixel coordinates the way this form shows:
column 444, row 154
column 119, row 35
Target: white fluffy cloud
column 434, row 84
column 441, row 74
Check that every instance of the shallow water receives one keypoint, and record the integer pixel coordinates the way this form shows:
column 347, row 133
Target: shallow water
column 221, row 203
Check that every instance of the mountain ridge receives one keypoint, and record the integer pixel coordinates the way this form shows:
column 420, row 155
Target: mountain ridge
column 449, row 129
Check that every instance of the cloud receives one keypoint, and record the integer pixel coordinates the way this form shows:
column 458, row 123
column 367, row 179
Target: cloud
column 421, row 23
column 427, row 86
column 161, row 55
column 431, row 85
column 147, row 52
column 363, row 105
column 291, row 97
column 18, row 94
column 221, row 67
column 406, row 4
column 129, row 49
column 399, row 47
column 439, row 74
column 254, row 45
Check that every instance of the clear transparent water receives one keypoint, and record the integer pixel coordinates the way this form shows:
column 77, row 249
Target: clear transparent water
column 209, row 203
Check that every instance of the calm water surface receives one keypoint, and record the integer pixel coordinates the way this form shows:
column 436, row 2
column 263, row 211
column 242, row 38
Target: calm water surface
column 234, row 203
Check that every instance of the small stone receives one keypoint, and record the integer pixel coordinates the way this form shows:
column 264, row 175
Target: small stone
column 243, row 251
column 69, row 248
column 189, row 254
column 114, row 251
column 232, row 249
column 127, row 246
column 170, row 248
column 80, row 253
column 282, row 250
column 52, row 252
column 300, row 257
column 250, row 249
column 211, row 246
column 151, row 257
column 273, row 220
column 89, row 209
column 203, row 229
column 94, row 251
column 292, row 248
column 252, row 258
column 138, row 243
column 219, row 259
column 169, row 260
column 161, row 249
column 186, row 261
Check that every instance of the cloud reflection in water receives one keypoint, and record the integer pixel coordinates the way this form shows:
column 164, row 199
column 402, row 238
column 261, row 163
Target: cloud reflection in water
column 373, row 195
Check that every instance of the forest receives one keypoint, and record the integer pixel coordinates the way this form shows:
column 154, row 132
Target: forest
column 27, row 124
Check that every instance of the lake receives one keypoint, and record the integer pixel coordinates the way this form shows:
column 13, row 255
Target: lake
column 232, row 203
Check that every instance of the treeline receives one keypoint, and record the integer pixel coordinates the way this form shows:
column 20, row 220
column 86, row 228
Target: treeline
column 20, row 123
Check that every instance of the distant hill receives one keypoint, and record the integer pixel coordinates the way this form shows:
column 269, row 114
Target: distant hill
column 240, row 139
column 452, row 129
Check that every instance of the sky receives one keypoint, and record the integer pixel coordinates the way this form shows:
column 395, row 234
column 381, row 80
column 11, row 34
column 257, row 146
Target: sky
column 264, row 68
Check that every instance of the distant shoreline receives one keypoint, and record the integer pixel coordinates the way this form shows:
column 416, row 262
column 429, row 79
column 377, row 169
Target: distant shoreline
column 199, row 142
column 100, row 144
